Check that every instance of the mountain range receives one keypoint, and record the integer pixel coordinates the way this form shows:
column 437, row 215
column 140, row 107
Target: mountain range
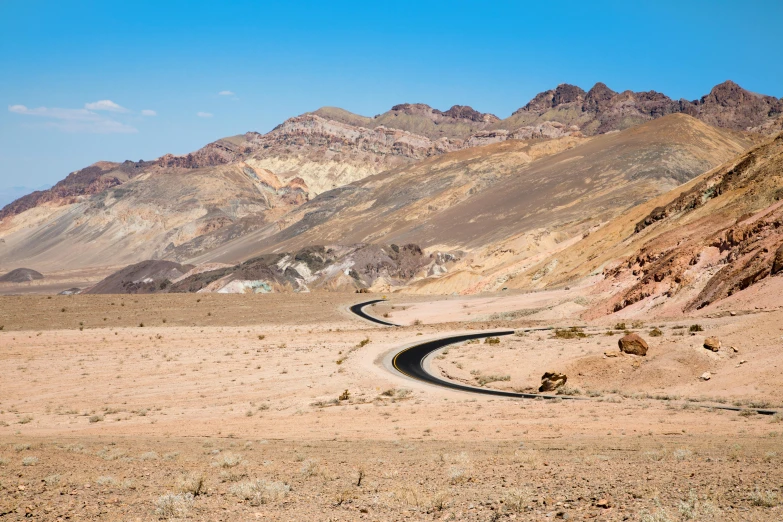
column 495, row 197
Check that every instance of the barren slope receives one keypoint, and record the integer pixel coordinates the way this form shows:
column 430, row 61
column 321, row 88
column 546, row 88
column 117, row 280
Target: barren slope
column 144, row 217
column 715, row 237
column 496, row 197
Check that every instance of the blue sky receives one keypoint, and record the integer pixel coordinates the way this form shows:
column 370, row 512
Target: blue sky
column 76, row 76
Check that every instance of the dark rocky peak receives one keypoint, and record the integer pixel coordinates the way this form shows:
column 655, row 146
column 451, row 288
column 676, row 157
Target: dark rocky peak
column 412, row 108
column 543, row 101
column 727, row 94
column 567, row 93
column 598, row 97
column 465, row 112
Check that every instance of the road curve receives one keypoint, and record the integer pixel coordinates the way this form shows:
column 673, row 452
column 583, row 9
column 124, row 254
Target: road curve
column 357, row 309
column 410, row 362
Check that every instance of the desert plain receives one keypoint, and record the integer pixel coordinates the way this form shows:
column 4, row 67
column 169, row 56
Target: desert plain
column 280, row 407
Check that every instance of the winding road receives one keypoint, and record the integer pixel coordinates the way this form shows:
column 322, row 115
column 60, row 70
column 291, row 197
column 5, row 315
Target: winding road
column 411, row 363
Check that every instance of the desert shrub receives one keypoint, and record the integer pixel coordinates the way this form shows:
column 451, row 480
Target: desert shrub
column 29, row 461
column 106, row 481
column 308, row 468
column 655, row 332
column 259, row 492
column 364, row 342
column 568, row 390
column 173, row 505
column 492, row 340
column 417, row 322
column 764, row 498
column 25, row 419
column 696, row 328
column 96, row 418
column 486, row 379
column 150, row 455
column 569, row 333
column 192, row 484
column 619, row 326
column 228, row 460
column 516, row 500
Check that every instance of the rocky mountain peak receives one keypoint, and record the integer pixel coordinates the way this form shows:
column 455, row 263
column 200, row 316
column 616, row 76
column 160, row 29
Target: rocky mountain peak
column 567, row 93
column 728, row 94
column 465, row 112
column 412, row 108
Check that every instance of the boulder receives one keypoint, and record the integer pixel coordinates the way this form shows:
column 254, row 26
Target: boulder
column 712, row 343
column 633, row 344
column 552, row 381
column 706, row 376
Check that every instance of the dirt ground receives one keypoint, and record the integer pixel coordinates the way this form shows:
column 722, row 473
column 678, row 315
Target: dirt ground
column 277, row 407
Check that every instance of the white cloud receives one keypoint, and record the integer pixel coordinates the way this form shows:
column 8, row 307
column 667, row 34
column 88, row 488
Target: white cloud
column 105, row 105
column 226, row 93
column 148, row 112
column 74, row 120
column 204, row 114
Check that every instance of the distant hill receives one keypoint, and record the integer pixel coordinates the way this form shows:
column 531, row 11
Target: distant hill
column 21, row 275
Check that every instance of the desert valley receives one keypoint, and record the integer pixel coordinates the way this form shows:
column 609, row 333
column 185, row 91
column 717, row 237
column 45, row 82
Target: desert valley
column 569, row 313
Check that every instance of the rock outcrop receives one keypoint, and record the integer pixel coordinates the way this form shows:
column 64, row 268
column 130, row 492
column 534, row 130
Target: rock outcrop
column 633, row 344
column 551, row 381
column 712, row 344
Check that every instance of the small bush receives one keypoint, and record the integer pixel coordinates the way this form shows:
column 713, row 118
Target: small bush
column 764, row 498
column 106, row 481
column 261, row 337
column 173, row 505
column 492, row 340
column 192, row 484
column 570, row 333
column 364, row 343
column 228, row 460
column 696, row 328
column 568, row 390
column 29, row 461
column 344, row 396
column 486, row 379
column 619, row 326
column 26, row 419
column 96, row 418
column 150, row 455
column 655, row 332
column 259, row 492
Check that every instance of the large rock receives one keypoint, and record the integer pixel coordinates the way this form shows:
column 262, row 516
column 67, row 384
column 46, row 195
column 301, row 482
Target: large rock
column 633, row 344
column 712, row 343
column 552, row 381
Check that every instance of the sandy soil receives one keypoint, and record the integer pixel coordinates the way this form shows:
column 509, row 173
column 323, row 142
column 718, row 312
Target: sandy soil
column 103, row 420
